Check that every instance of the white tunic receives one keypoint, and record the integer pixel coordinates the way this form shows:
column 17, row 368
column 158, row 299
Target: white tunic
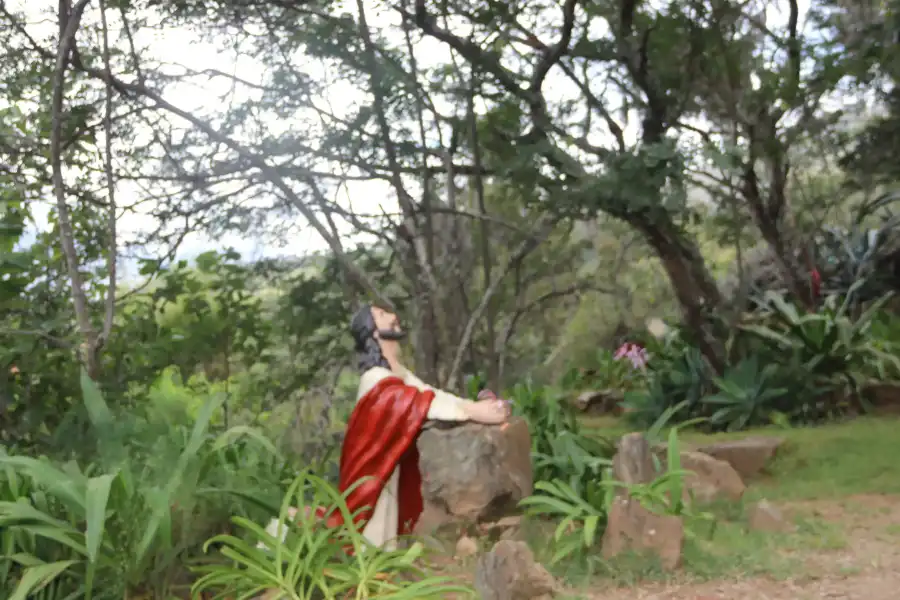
column 381, row 529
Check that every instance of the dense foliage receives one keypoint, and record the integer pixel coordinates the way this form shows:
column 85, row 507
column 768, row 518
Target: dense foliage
column 685, row 204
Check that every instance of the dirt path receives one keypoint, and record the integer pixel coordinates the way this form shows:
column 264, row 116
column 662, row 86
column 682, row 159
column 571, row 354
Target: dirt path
column 868, row 568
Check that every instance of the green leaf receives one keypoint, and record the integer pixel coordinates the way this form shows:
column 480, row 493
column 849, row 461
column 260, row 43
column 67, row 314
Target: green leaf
column 785, row 310
column 236, row 433
column 719, row 399
column 771, row 335
column 96, row 501
column 98, row 411
column 26, row 560
column 195, row 442
column 36, row 578
column 591, row 524
column 54, row 480
column 56, row 534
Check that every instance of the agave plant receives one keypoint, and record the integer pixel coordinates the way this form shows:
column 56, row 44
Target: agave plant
column 681, row 378
column 575, row 459
column 829, row 349
column 864, row 256
column 582, row 516
column 746, row 391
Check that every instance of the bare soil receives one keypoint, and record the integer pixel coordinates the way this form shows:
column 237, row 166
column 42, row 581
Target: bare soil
column 867, row 568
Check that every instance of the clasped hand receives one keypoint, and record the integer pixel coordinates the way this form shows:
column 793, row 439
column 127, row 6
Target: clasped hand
column 489, row 409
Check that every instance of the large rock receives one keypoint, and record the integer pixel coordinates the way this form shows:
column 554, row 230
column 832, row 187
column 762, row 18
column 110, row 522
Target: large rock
column 708, row 479
column 749, row 456
column 630, row 526
column 885, row 397
column 473, row 473
column 711, row 479
column 509, row 572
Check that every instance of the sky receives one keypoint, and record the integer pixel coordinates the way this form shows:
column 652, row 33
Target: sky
column 181, row 45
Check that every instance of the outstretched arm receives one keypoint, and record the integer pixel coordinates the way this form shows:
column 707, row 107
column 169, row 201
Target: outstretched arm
column 449, row 407
column 445, row 406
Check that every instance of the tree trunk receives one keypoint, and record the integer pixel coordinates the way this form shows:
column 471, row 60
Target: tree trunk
column 795, row 276
column 694, row 285
column 771, row 215
column 437, row 317
column 425, row 340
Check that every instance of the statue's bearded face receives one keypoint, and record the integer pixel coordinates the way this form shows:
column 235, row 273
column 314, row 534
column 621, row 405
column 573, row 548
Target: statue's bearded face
column 387, row 325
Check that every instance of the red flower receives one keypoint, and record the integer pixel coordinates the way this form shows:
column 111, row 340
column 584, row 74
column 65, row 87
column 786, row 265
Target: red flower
column 816, row 282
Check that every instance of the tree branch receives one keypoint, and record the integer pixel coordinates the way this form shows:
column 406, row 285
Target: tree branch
column 552, row 55
column 574, row 289
column 793, row 45
column 403, row 195
column 543, row 229
column 69, row 21
column 535, row 101
column 110, row 189
column 270, row 174
column 492, row 359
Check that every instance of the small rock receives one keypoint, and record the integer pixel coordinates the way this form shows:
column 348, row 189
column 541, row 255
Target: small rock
column 633, row 462
column 502, row 526
column 473, row 473
column 765, row 516
column 509, row 572
column 466, row 547
column 599, row 402
column 512, row 534
column 749, row 456
column 630, row 526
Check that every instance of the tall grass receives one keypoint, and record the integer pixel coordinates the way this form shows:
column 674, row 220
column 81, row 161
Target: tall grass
column 130, row 521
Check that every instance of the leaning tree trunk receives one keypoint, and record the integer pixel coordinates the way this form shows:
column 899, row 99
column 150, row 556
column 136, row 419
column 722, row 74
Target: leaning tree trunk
column 694, row 285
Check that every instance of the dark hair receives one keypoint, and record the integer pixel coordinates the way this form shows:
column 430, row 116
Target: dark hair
column 368, row 351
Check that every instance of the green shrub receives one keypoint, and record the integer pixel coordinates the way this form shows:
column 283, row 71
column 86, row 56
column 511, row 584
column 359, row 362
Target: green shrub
column 677, row 375
column 746, row 395
column 786, row 365
column 859, row 262
column 885, row 338
column 582, row 514
column 311, row 562
column 606, row 373
column 824, row 357
column 558, row 448
column 130, row 521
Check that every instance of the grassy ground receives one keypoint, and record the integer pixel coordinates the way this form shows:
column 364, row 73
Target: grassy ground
column 839, row 483
column 832, row 461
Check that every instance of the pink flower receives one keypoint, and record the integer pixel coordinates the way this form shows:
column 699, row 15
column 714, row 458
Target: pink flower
column 636, row 354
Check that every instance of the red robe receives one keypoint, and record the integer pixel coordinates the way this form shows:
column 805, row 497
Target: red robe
column 381, row 435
